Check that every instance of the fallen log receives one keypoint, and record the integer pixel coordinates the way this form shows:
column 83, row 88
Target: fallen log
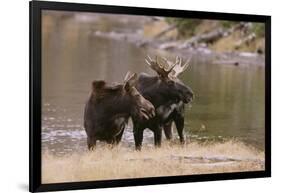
column 208, row 38
column 214, row 35
column 157, row 36
column 166, row 30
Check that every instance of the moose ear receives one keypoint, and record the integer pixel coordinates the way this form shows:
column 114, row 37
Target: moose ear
column 98, row 84
column 130, row 80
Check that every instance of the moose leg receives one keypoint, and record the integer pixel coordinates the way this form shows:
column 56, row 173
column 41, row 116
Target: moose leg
column 168, row 130
column 119, row 136
column 157, row 136
column 138, row 136
column 111, row 142
column 91, row 141
column 179, row 121
column 120, row 123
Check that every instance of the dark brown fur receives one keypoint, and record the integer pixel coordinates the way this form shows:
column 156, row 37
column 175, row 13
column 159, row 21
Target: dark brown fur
column 108, row 109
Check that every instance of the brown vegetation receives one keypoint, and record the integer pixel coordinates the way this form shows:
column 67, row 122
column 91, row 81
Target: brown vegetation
column 172, row 159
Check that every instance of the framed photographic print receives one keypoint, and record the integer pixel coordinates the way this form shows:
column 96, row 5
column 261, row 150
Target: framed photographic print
column 126, row 96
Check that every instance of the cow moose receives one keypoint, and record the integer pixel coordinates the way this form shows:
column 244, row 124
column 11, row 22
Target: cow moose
column 109, row 107
column 168, row 95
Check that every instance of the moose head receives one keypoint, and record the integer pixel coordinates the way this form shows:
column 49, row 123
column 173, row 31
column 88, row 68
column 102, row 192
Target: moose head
column 122, row 99
column 168, row 85
column 140, row 107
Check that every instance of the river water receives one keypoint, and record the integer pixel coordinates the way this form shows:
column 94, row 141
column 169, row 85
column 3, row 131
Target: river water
column 229, row 100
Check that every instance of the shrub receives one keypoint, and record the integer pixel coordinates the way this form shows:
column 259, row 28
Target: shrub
column 259, row 29
column 186, row 27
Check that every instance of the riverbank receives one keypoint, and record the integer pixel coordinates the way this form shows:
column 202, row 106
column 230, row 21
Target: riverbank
column 171, row 159
column 213, row 41
column 210, row 42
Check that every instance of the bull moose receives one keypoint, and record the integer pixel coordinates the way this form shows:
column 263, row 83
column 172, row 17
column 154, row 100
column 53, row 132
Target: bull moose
column 109, row 107
column 168, row 95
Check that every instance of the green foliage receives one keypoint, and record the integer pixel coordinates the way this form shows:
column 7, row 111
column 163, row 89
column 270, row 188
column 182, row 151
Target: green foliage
column 259, row 29
column 186, row 27
column 228, row 24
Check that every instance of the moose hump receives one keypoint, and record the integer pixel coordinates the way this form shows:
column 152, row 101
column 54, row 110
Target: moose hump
column 101, row 89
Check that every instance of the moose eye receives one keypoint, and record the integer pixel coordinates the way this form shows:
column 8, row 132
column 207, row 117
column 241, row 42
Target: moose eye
column 137, row 96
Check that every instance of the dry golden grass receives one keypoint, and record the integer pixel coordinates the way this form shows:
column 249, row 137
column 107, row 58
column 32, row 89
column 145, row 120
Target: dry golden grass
column 150, row 30
column 229, row 44
column 171, row 159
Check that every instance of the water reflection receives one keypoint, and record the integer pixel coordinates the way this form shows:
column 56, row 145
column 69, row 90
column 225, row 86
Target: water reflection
column 229, row 100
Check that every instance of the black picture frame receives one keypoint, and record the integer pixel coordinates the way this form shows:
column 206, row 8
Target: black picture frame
column 36, row 7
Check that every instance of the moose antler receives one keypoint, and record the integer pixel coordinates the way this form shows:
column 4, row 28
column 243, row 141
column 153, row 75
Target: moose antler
column 129, row 75
column 162, row 70
column 178, row 69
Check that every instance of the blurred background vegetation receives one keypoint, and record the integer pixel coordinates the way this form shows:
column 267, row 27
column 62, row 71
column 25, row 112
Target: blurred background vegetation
column 187, row 27
column 230, row 35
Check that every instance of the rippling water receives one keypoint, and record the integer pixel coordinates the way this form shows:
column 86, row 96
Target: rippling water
column 229, row 100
